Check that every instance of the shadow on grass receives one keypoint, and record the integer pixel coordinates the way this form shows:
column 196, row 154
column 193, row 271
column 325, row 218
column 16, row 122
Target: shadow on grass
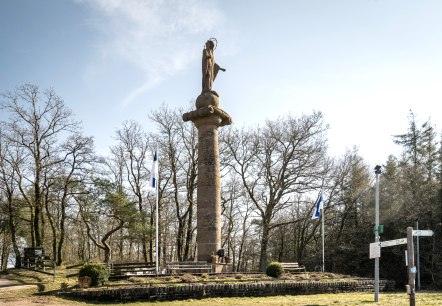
column 67, row 297
column 39, row 282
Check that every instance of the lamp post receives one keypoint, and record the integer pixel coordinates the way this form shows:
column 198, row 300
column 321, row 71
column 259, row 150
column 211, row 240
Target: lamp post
column 377, row 171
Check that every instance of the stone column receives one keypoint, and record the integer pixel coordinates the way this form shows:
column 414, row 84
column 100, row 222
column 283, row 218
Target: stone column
column 207, row 118
column 209, row 188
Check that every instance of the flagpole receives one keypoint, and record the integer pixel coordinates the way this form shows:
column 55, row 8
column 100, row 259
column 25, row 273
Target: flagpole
column 156, row 220
column 322, row 229
column 319, row 213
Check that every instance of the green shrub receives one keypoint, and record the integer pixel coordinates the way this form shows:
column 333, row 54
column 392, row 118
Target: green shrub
column 187, row 278
column 274, row 269
column 137, row 280
column 97, row 273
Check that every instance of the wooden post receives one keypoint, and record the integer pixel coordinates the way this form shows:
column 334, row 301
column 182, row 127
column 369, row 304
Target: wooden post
column 54, row 264
column 411, row 267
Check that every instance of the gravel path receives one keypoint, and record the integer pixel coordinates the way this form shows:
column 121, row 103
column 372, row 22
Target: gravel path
column 9, row 289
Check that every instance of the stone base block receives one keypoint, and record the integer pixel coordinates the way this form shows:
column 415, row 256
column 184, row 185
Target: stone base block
column 222, row 267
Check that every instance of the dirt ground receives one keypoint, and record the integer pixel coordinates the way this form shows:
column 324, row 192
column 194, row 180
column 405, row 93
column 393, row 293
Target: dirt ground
column 32, row 301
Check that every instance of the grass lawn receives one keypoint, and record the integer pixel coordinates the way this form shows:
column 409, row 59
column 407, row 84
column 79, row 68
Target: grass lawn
column 424, row 298
column 391, row 299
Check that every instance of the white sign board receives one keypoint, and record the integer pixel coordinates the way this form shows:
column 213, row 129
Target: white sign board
column 389, row 243
column 423, row 233
column 375, row 250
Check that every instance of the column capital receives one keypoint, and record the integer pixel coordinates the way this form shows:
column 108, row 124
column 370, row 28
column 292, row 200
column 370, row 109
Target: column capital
column 208, row 115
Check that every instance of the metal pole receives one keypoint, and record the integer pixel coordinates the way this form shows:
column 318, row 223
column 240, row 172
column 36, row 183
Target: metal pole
column 323, row 249
column 376, row 235
column 411, row 267
column 156, row 232
column 417, row 258
column 156, row 220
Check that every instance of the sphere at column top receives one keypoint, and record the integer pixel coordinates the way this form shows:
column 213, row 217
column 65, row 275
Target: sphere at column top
column 206, row 99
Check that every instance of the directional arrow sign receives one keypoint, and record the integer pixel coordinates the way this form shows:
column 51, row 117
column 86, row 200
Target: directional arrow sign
column 389, row 243
column 423, row 233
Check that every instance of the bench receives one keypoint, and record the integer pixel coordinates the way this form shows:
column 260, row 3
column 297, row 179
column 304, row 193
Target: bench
column 36, row 263
column 131, row 269
column 292, row 267
column 188, row 267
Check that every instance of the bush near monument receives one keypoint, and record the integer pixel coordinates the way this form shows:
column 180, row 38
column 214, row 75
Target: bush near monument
column 275, row 269
column 97, row 273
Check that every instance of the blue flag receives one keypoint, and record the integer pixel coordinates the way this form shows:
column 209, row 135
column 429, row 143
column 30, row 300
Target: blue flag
column 154, row 171
column 318, row 208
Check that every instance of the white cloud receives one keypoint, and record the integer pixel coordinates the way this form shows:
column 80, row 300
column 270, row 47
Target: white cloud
column 158, row 37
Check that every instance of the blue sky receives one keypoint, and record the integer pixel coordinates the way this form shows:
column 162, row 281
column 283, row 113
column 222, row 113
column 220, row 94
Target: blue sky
column 363, row 63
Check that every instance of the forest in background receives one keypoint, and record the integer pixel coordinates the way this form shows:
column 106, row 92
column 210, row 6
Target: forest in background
column 56, row 192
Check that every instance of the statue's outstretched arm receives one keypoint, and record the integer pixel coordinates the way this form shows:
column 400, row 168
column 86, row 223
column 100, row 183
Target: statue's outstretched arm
column 219, row 68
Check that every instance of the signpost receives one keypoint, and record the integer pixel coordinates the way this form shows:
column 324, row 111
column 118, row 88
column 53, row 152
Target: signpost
column 418, row 258
column 427, row 233
column 375, row 252
column 411, row 267
column 389, row 243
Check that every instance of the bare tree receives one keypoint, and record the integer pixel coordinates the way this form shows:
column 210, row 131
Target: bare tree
column 10, row 160
column 36, row 121
column 236, row 213
column 283, row 157
column 75, row 167
column 133, row 146
column 178, row 148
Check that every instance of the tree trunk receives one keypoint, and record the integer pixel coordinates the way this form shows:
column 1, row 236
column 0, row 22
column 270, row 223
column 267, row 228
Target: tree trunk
column 281, row 246
column 42, row 224
column 54, row 235
column 62, row 230
column 105, row 246
column 264, row 244
column 13, row 231
column 5, row 252
column 143, row 227
column 37, row 205
column 107, row 252
column 179, row 240
column 121, row 245
column 151, row 239
column 189, row 232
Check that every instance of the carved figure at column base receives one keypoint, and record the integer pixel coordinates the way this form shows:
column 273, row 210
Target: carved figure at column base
column 206, row 112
